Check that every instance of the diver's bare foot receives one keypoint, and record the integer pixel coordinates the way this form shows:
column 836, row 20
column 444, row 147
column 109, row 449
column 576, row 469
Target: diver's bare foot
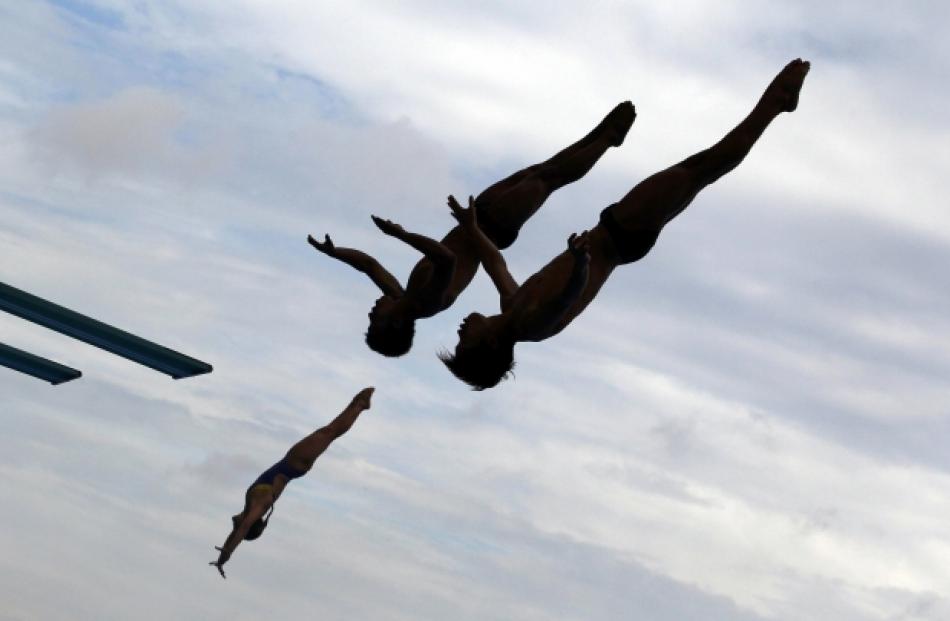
column 362, row 398
column 782, row 93
column 617, row 123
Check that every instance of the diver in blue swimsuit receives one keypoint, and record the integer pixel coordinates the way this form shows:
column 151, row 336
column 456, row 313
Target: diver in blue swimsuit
column 263, row 493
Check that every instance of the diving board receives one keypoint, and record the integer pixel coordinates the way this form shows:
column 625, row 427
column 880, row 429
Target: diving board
column 37, row 366
column 98, row 334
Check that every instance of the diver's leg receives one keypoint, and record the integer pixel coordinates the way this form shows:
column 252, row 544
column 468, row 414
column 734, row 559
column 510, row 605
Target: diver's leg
column 659, row 198
column 343, row 421
column 513, row 200
column 575, row 161
column 305, row 452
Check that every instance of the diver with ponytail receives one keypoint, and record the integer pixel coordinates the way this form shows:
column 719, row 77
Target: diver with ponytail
column 260, row 497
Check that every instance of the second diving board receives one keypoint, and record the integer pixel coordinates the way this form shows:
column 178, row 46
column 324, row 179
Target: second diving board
column 37, row 366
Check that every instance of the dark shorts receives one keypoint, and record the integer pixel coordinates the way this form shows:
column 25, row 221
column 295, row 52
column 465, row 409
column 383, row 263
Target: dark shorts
column 631, row 245
column 500, row 235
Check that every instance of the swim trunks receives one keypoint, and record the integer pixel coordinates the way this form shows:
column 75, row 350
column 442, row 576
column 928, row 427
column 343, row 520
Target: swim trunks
column 631, row 245
column 498, row 234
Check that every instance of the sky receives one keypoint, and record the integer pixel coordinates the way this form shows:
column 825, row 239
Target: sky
column 749, row 424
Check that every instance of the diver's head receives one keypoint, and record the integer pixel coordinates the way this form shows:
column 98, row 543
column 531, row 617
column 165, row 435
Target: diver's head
column 390, row 330
column 482, row 357
column 256, row 529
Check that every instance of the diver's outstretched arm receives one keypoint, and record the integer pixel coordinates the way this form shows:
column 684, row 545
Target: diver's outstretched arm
column 251, row 515
column 361, row 262
column 435, row 251
column 489, row 255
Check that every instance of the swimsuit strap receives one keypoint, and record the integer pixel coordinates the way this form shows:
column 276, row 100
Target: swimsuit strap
column 270, row 511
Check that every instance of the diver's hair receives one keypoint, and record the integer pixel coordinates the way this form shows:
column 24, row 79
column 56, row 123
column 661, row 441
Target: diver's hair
column 256, row 529
column 482, row 366
column 391, row 340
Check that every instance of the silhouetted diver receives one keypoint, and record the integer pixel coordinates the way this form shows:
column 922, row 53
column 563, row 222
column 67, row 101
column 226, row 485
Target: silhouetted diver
column 550, row 299
column 264, row 491
column 449, row 266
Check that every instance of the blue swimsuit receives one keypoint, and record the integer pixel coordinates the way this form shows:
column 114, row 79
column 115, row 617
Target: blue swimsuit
column 267, row 477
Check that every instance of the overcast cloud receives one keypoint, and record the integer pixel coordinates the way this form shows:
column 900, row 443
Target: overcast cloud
column 749, row 424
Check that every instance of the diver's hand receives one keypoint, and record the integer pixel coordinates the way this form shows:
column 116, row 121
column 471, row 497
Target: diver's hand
column 362, row 397
column 326, row 246
column 222, row 559
column 388, row 226
column 579, row 245
column 465, row 216
column 220, row 567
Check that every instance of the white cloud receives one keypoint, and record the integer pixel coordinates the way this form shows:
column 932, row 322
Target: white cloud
column 745, row 425
column 131, row 130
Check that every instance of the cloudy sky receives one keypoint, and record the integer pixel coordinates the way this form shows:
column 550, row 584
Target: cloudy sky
column 749, row 424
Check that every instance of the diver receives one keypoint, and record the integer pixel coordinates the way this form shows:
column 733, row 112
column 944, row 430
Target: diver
column 557, row 293
column 260, row 497
column 448, row 266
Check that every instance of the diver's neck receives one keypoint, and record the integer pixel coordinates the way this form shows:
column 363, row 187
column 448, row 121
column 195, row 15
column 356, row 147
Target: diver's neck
column 503, row 325
column 405, row 308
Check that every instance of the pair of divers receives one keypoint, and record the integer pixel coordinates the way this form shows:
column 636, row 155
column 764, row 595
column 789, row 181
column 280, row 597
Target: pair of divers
column 557, row 293
column 542, row 305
